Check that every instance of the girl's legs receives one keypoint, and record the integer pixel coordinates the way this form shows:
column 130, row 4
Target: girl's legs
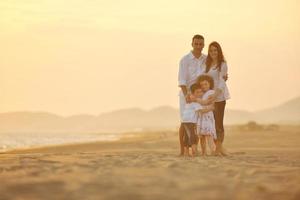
column 211, row 144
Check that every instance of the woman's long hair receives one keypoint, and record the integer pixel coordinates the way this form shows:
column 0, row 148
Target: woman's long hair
column 220, row 56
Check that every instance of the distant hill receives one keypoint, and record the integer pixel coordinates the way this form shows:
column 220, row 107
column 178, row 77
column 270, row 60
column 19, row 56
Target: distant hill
column 288, row 113
column 135, row 119
column 116, row 121
column 284, row 113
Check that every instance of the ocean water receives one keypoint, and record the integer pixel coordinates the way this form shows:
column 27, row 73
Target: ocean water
column 11, row 141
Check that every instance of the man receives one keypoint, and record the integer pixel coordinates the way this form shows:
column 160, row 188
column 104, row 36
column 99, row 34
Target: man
column 189, row 70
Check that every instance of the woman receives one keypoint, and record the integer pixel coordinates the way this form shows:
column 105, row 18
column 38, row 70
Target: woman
column 216, row 67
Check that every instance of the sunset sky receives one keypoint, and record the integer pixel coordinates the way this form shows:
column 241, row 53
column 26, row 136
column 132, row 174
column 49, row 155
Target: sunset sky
column 93, row 56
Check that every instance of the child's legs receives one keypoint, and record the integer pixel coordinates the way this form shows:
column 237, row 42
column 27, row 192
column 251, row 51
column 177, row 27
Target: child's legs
column 189, row 133
column 194, row 149
column 196, row 143
column 186, row 143
column 186, row 150
column 192, row 131
column 197, row 140
column 203, row 144
column 185, row 140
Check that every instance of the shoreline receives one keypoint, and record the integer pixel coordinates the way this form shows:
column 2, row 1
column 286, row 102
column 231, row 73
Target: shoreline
column 125, row 138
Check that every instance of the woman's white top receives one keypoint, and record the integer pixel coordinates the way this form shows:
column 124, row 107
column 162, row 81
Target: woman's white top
column 190, row 114
column 219, row 81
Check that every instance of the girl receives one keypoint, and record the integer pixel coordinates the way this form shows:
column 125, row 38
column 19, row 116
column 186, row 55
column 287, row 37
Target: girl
column 216, row 67
column 206, row 121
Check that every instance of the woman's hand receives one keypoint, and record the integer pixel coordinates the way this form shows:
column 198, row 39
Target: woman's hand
column 225, row 77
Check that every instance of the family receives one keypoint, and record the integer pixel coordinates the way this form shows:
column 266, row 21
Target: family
column 202, row 99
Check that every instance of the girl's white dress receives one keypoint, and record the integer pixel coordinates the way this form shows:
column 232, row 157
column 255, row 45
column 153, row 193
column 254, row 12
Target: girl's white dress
column 206, row 121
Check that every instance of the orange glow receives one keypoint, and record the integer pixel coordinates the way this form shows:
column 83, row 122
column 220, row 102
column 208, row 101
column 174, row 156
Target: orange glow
column 82, row 56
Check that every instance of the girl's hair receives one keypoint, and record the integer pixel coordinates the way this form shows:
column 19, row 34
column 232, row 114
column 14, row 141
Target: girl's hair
column 220, row 56
column 207, row 78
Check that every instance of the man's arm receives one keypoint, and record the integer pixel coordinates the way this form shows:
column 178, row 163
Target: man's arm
column 185, row 93
column 183, row 89
column 182, row 80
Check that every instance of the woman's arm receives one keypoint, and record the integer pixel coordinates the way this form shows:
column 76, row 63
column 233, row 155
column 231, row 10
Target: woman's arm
column 210, row 99
column 207, row 109
column 203, row 102
column 224, row 71
column 221, row 80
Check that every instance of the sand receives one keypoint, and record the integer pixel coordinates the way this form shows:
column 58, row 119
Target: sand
column 261, row 165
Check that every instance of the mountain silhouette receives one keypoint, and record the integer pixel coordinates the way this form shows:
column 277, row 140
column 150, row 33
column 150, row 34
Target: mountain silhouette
column 131, row 119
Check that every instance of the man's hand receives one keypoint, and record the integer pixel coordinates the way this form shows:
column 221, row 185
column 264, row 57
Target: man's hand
column 225, row 77
column 188, row 98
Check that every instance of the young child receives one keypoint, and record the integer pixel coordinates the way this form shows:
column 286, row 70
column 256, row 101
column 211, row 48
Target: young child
column 206, row 122
column 189, row 121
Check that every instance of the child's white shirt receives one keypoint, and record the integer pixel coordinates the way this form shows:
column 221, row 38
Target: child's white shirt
column 190, row 114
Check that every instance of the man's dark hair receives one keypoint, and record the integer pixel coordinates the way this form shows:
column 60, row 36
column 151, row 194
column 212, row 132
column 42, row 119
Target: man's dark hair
column 195, row 87
column 197, row 37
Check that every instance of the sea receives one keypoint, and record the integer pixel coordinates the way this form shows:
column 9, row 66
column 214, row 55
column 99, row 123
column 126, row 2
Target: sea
column 12, row 141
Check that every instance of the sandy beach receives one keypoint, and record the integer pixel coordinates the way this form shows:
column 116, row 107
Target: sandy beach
column 261, row 165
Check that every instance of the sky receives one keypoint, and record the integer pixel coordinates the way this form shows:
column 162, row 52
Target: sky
column 93, row 56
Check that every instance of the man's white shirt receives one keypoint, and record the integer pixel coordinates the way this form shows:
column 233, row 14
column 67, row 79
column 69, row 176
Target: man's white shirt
column 190, row 68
